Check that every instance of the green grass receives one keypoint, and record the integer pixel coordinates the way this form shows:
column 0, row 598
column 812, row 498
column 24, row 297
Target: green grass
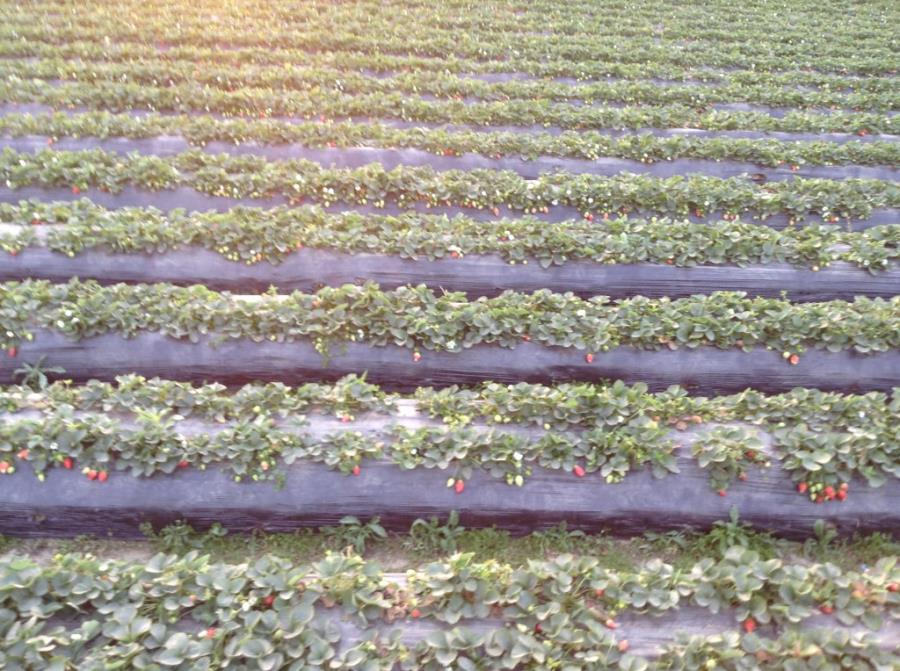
column 429, row 540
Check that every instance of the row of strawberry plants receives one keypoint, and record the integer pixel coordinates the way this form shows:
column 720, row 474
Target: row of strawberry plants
column 821, row 463
column 825, row 437
column 418, row 318
column 252, row 235
column 629, row 22
column 561, row 407
column 255, row 177
column 132, row 394
column 809, row 428
column 423, row 35
column 756, row 53
column 304, row 78
column 188, row 613
column 388, row 63
column 264, row 103
column 643, row 147
column 636, row 19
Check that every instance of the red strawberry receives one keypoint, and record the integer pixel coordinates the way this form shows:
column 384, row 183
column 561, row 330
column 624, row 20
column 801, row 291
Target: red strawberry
column 454, row 255
column 623, row 646
column 794, row 359
column 76, row 190
column 588, row 216
column 496, row 211
column 415, row 613
column 721, row 492
column 417, row 357
column 356, row 470
column 842, row 495
column 538, row 628
column 91, row 474
column 589, row 358
column 23, row 454
column 611, row 624
column 749, row 625
column 269, row 600
column 893, row 587
column 103, row 476
column 184, row 463
column 35, row 222
column 827, row 609
column 4, row 466
column 598, row 592
column 11, row 352
column 459, row 486
column 844, row 486
column 211, row 632
column 829, row 492
column 802, row 487
column 68, row 463
column 578, row 471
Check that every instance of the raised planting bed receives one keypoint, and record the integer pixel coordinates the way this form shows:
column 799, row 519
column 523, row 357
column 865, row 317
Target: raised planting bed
column 476, row 275
column 381, row 64
column 305, row 248
column 521, row 457
column 574, row 151
column 195, row 201
column 722, row 342
column 812, row 146
column 238, row 475
column 253, row 234
column 349, row 614
column 255, row 177
column 705, row 370
column 451, row 158
column 863, row 53
column 186, row 99
column 291, row 78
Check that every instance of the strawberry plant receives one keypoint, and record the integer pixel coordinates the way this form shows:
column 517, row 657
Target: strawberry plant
column 728, row 452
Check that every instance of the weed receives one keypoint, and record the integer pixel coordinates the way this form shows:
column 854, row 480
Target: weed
column 181, row 537
column 353, row 533
column 433, row 538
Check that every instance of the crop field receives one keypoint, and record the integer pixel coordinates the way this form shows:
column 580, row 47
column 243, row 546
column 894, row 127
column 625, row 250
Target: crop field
column 386, row 335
